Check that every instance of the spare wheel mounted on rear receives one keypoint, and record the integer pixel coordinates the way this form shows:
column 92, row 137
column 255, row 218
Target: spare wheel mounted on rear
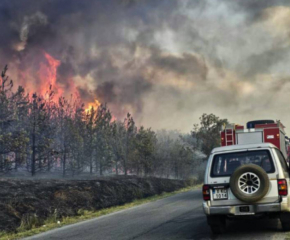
column 249, row 183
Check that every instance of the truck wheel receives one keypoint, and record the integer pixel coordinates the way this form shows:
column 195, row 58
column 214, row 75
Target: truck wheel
column 285, row 226
column 285, row 221
column 217, row 224
column 249, row 183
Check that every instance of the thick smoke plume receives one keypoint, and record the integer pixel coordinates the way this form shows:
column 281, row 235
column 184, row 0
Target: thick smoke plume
column 166, row 62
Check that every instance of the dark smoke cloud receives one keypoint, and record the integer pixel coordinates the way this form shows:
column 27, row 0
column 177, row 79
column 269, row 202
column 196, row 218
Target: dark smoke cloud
column 261, row 63
column 187, row 65
column 167, row 62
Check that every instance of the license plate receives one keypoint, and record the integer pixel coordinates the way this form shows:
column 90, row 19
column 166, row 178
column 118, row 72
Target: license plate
column 220, row 194
column 245, row 209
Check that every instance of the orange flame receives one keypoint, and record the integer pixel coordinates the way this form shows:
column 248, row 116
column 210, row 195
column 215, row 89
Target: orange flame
column 48, row 76
column 45, row 79
column 91, row 105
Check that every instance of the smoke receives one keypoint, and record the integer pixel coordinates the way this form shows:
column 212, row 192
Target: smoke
column 166, row 62
column 30, row 23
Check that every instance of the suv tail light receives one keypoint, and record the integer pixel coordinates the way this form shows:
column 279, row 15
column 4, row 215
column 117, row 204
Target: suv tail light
column 282, row 187
column 205, row 192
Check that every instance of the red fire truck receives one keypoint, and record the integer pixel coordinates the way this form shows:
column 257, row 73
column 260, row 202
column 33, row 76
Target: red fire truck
column 258, row 131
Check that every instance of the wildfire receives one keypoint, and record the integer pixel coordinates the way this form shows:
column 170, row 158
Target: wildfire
column 95, row 105
column 91, row 105
column 48, row 76
column 42, row 78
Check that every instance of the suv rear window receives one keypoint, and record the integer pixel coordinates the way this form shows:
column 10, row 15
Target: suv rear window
column 282, row 160
column 225, row 164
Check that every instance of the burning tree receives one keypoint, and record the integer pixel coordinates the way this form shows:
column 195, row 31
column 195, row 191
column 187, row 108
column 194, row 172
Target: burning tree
column 44, row 132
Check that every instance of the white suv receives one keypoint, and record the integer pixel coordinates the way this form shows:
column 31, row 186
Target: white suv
column 243, row 181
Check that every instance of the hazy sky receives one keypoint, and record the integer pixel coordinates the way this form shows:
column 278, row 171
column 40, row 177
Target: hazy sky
column 167, row 62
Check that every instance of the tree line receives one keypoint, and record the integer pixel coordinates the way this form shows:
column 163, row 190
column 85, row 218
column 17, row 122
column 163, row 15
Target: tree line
column 39, row 134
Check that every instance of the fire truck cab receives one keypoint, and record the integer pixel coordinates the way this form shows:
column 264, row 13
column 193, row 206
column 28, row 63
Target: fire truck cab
column 259, row 131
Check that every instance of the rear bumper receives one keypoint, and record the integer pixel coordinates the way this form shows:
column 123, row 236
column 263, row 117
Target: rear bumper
column 235, row 210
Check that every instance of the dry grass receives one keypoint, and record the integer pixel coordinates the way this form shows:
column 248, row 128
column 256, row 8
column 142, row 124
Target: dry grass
column 52, row 222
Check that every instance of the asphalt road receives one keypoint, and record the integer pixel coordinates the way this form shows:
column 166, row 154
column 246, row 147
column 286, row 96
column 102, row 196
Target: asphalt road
column 177, row 217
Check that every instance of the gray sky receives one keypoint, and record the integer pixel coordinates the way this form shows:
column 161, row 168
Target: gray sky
column 167, row 62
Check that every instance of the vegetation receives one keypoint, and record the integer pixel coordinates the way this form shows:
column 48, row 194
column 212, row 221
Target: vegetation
column 52, row 222
column 207, row 134
column 40, row 134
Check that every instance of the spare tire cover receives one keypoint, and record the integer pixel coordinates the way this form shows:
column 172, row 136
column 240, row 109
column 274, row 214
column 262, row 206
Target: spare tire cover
column 249, row 183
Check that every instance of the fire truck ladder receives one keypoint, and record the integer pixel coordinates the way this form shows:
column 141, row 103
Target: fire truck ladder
column 229, row 135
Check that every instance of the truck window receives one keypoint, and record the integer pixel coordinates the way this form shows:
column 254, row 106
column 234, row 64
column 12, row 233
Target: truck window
column 282, row 160
column 225, row 164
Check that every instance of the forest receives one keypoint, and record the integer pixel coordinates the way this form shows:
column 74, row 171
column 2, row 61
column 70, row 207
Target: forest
column 39, row 135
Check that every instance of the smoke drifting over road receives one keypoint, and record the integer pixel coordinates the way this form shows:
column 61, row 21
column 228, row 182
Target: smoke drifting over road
column 167, row 62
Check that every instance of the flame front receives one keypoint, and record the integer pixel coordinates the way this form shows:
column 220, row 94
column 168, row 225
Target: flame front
column 92, row 105
column 43, row 79
column 48, row 76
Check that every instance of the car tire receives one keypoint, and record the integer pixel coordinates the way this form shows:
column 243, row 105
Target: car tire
column 263, row 184
column 217, row 224
column 285, row 221
column 285, row 226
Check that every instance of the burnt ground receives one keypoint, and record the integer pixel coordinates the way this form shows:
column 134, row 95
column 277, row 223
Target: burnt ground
column 23, row 200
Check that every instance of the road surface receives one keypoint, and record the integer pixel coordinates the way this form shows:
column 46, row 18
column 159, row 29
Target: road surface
column 177, row 217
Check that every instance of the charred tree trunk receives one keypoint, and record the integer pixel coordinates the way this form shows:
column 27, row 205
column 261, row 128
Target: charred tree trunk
column 91, row 164
column 33, row 157
column 125, row 167
column 33, row 152
column 39, row 163
column 116, row 168
column 17, row 160
column 138, row 170
column 64, row 164
column 126, row 154
column 48, row 162
column 79, row 165
column 1, row 162
column 101, row 168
